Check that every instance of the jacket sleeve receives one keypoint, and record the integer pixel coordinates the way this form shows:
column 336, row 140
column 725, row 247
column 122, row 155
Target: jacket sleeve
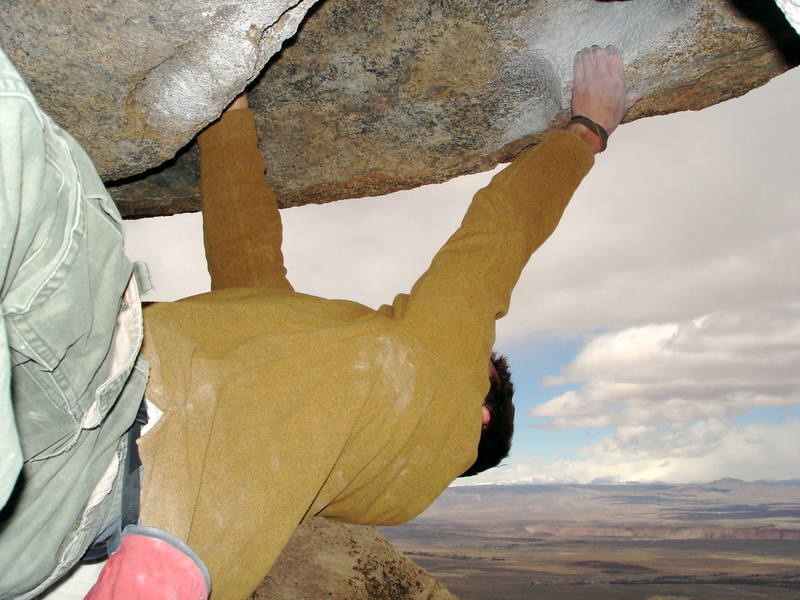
column 242, row 229
column 452, row 308
column 22, row 153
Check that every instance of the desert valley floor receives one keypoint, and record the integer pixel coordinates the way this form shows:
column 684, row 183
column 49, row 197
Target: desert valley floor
column 719, row 541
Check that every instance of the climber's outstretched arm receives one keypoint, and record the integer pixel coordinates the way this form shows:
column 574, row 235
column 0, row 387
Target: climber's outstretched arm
column 452, row 308
column 241, row 225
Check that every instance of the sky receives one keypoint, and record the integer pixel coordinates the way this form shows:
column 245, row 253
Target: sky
column 654, row 337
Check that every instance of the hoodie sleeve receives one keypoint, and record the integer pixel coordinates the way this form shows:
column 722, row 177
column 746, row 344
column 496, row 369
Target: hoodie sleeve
column 452, row 308
column 242, row 228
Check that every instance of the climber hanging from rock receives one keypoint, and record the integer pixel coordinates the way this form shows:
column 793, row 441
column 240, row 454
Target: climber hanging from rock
column 264, row 406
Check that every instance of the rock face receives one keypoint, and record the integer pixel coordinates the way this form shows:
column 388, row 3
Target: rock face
column 134, row 81
column 371, row 95
column 338, row 561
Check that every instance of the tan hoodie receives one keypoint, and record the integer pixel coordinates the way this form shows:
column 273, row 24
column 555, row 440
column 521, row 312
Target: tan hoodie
column 280, row 405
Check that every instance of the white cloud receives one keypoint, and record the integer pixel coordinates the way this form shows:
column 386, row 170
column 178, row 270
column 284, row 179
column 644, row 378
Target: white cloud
column 703, row 452
column 370, row 249
column 671, row 393
column 714, row 367
column 172, row 248
column 671, row 224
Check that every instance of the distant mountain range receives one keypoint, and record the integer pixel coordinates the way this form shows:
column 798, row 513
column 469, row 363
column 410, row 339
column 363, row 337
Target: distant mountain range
column 728, row 508
column 725, row 481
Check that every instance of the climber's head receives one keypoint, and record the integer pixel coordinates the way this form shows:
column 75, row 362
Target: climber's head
column 498, row 418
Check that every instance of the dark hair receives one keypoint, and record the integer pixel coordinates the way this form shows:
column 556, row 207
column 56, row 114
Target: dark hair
column 496, row 435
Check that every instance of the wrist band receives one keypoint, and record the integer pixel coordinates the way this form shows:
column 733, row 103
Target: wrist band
column 596, row 128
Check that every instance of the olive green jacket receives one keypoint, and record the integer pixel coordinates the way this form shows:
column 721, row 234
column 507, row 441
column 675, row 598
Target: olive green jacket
column 279, row 405
column 71, row 380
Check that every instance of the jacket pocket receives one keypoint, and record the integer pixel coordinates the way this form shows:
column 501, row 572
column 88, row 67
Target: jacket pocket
column 74, row 322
